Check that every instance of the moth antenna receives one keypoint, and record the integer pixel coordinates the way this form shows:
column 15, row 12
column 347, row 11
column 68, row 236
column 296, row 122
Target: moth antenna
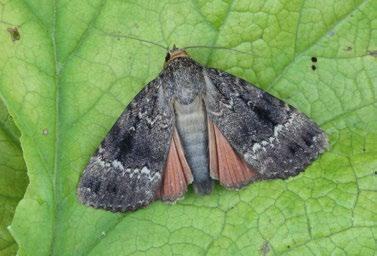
column 216, row 47
column 136, row 39
column 6, row 23
column 11, row 24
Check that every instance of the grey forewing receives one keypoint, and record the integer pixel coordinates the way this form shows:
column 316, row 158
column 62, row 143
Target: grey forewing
column 272, row 137
column 125, row 173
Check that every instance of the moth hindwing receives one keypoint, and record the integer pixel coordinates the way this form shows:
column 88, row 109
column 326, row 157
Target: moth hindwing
column 194, row 124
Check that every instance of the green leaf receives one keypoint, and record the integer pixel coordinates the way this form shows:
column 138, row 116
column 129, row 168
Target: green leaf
column 13, row 179
column 71, row 74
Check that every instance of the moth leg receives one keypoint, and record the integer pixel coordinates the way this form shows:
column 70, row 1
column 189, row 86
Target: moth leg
column 177, row 174
column 225, row 164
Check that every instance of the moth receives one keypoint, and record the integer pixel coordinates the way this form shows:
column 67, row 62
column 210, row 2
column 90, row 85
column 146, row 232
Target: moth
column 194, row 125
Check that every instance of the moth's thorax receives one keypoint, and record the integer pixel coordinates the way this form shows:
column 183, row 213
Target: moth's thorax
column 184, row 78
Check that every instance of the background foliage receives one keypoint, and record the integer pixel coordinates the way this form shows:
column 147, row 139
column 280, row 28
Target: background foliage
column 13, row 178
column 71, row 73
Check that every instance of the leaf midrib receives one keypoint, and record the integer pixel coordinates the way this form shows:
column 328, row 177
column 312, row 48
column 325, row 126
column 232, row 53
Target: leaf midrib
column 59, row 69
column 57, row 135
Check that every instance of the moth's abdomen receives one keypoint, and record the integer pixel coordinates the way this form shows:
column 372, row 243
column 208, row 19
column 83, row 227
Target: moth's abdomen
column 191, row 123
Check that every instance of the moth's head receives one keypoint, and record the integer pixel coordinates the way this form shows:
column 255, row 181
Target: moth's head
column 175, row 53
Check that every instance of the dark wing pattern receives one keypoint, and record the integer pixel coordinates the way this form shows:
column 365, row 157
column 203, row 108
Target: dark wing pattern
column 125, row 173
column 272, row 137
